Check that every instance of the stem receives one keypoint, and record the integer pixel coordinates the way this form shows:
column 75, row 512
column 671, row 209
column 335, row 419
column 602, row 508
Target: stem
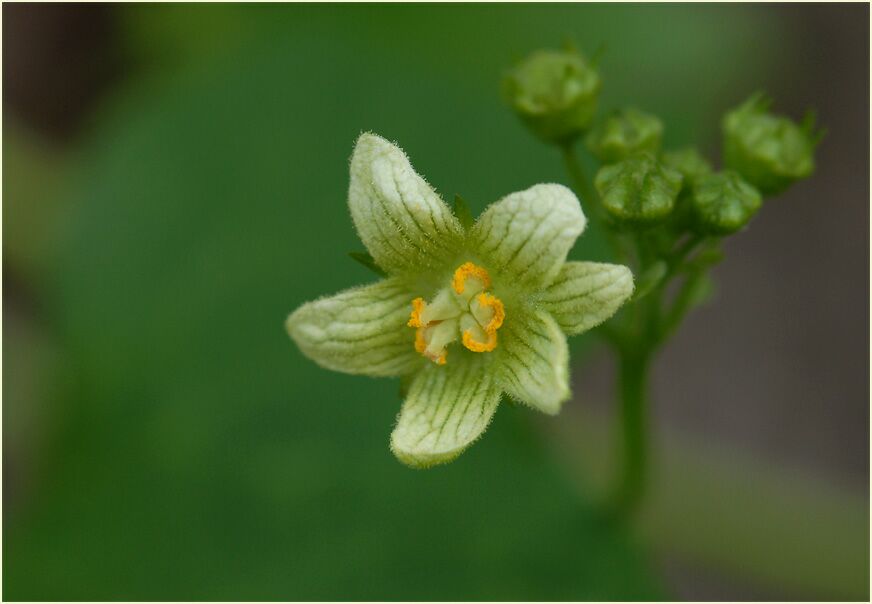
column 687, row 295
column 633, row 379
column 683, row 301
column 634, row 355
column 682, row 252
column 577, row 173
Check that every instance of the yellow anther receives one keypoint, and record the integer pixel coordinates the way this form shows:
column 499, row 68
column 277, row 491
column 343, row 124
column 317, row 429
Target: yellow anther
column 464, row 310
column 467, row 270
column 418, row 306
column 475, row 345
column 486, row 300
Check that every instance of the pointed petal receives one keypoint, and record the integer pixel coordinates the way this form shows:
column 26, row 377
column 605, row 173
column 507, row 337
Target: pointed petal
column 361, row 330
column 585, row 294
column 535, row 361
column 526, row 235
column 447, row 409
column 402, row 221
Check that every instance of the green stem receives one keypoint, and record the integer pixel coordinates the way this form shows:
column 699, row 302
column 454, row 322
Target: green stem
column 680, row 253
column 576, row 173
column 688, row 294
column 633, row 372
column 684, row 300
column 677, row 261
column 635, row 344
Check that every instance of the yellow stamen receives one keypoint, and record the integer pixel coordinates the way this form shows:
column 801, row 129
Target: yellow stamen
column 438, row 359
column 418, row 306
column 490, row 301
column 476, row 346
column 467, row 270
column 420, row 344
column 465, row 309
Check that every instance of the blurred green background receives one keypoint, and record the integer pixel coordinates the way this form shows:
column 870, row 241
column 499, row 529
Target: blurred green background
column 174, row 184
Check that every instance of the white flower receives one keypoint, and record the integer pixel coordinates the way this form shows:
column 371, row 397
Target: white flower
column 473, row 313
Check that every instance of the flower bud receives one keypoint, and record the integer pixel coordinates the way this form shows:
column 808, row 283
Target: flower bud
column 723, row 203
column 692, row 165
column 689, row 162
column 624, row 133
column 769, row 151
column 638, row 190
column 554, row 93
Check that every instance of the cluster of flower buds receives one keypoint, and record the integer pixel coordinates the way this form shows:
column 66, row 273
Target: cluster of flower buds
column 681, row 186
column 769, row 151
column 554, row 93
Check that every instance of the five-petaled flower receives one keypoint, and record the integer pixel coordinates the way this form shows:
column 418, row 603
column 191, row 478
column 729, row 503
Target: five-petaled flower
column 468, row 314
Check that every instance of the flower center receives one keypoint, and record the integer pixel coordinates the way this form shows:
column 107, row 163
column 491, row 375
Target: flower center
column 464, row 311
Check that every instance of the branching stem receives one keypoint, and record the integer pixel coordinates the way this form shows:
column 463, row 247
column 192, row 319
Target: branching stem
column 635, row 337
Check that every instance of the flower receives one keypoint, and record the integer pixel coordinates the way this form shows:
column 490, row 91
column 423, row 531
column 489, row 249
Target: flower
column 466, row 314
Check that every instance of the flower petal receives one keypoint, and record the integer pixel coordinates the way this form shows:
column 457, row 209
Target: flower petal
column 526, row 235
column 402, row 221
column 361, row 330
column 447, row 409
column 535, row 360
column 585, row 294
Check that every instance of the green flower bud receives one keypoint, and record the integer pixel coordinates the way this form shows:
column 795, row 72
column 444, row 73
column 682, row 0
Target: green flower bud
column 554, row 93
column 770, row 151
column 689, row 162
column 639, row 189
column 692, row 165
column 723, row 203
column 624, row 133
